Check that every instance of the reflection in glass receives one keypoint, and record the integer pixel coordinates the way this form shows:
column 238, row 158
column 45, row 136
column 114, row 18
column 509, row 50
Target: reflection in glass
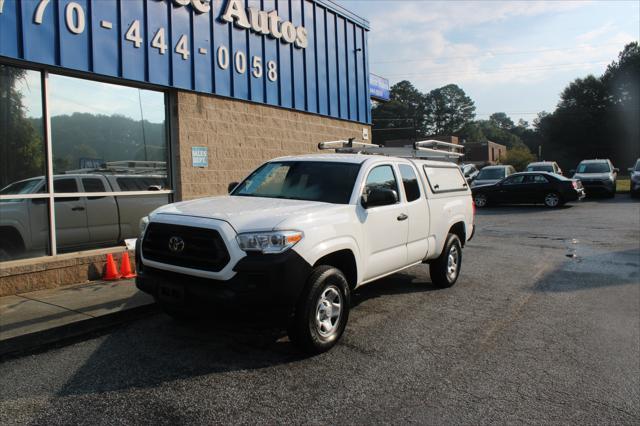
column 22, row 153
column 100, row 128
column 101, row 221
column 24, row 228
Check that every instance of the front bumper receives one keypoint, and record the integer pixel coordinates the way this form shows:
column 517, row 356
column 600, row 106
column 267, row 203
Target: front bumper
column 273, row 281
column 594, row 187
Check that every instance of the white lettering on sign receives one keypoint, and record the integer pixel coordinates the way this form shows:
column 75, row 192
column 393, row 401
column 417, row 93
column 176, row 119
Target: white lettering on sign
column 261, row 22
column 200, row 6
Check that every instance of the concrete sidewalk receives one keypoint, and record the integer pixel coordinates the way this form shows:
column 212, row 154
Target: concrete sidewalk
column 32, row 320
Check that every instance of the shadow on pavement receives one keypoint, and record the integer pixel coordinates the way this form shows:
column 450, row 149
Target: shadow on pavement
column 505, row 209
column 159, row 349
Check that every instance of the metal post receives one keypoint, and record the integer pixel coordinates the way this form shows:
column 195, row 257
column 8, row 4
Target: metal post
column 47, row 141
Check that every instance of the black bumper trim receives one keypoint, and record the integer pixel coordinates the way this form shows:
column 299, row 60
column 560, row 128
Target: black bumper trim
column 272, row 280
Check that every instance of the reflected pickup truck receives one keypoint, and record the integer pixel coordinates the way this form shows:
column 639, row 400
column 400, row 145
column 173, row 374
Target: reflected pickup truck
column 81, row 222
column 300, row 233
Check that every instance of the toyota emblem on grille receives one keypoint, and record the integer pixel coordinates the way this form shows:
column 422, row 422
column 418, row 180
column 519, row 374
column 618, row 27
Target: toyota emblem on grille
column 176, row 244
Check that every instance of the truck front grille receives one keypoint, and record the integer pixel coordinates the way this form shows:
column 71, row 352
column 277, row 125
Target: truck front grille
column 185, row 246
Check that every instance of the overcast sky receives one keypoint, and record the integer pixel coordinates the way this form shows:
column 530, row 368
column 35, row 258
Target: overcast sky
column 510, row 56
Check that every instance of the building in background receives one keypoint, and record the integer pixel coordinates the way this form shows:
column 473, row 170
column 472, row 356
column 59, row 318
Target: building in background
column 111, row 108
column 484, row 153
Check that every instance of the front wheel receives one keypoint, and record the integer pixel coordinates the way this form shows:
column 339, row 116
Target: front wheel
column 322, row 312
column 445, row 269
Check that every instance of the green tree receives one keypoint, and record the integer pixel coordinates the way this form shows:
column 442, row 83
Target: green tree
column 519, row 157
column 448, row 109
column 501, row 120
column 403, row 117
column 21, row 145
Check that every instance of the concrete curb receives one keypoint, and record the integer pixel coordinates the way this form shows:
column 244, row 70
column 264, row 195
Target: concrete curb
column 67, row 333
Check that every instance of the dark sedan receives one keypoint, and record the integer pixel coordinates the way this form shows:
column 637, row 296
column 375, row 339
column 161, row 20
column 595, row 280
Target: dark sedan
column 529, row 188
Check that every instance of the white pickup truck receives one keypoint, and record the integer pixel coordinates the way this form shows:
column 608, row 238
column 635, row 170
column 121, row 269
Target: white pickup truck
column 302, row 232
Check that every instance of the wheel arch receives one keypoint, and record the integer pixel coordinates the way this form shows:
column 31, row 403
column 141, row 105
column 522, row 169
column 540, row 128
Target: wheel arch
column 345, row 261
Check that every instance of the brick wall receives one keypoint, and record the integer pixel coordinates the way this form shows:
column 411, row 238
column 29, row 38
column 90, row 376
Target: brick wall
column 240, row 136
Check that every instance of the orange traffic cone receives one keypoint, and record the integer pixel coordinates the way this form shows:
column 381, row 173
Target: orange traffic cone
column 111, row 271
column 125, row 267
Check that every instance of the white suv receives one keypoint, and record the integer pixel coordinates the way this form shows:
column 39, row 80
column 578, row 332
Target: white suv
column 301, row 233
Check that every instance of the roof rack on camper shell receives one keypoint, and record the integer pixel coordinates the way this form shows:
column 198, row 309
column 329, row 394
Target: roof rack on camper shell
column 427, row 149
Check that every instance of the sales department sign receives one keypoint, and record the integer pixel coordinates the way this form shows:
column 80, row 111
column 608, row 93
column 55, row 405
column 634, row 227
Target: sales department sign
column 301, row 54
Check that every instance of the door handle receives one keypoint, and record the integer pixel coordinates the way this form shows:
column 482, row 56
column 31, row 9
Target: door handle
column 77, row 209
column 403, row 217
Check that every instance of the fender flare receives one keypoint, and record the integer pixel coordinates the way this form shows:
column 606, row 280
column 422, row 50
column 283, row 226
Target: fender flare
column 333, row 245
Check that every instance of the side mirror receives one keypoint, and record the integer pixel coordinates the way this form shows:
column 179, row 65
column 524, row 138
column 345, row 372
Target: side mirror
column 572, row 171
column 630, row 169
column 616, row 170
column 379, row 197
column 231, row 187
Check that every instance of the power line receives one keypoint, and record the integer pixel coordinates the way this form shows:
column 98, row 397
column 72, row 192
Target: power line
column 503, row 70
column 489, row 53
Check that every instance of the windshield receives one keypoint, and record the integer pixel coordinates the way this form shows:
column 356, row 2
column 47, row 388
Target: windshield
column 22, row 187
column 489, row 174
column 540, row 168
column 593, row 168
column 327, row 182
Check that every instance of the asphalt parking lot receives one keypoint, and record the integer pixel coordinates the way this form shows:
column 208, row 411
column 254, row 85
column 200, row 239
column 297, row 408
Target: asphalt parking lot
column 542, row 327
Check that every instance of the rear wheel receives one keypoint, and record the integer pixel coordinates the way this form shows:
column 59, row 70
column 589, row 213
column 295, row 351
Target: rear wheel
column 445, row 269
column 552, row 199
column 480, row 200
column 322, row 312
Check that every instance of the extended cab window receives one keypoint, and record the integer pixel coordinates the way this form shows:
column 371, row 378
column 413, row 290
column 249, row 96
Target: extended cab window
column 445, row 179
column 93, row 185
column 324, row 181
column 410, row 182
column 381, row 177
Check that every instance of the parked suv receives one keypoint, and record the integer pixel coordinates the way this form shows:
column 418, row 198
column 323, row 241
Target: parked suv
column 545, row 166
column 300, row 233
column 492, row 174
column 597, row 176
column 634, row 176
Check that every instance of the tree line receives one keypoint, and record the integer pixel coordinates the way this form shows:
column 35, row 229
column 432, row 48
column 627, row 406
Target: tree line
column 595, row 117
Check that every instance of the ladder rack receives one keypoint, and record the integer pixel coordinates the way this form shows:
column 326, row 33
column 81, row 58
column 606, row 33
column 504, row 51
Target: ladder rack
column 428, row 149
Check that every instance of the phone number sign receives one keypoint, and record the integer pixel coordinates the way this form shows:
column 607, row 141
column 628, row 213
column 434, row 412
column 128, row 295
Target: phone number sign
column 269, row 51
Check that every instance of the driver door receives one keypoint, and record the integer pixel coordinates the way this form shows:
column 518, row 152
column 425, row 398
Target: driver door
column 512, row 190
column 385, row 228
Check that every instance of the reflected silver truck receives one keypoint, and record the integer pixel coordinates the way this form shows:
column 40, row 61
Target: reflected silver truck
column 81, row 222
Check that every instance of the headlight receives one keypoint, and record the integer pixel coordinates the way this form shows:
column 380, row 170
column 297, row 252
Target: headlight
column 269, row 242
column 144, row 222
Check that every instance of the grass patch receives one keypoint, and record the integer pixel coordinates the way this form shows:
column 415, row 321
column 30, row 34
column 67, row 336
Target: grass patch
column 623, row 185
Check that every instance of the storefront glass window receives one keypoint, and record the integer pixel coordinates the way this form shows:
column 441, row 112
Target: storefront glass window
column 110, row 159
column 24, row 223
column 105, row 139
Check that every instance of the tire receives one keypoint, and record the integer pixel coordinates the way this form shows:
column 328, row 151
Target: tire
column 4, row 254
column 480, row 200
column 445, row 270
column 552, row 200
column 316, row 326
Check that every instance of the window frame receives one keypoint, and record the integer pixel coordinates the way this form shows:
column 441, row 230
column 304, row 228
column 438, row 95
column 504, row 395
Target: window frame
column 416, row 173
column 51, row 195
column 395, row 177
column 464, row 187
